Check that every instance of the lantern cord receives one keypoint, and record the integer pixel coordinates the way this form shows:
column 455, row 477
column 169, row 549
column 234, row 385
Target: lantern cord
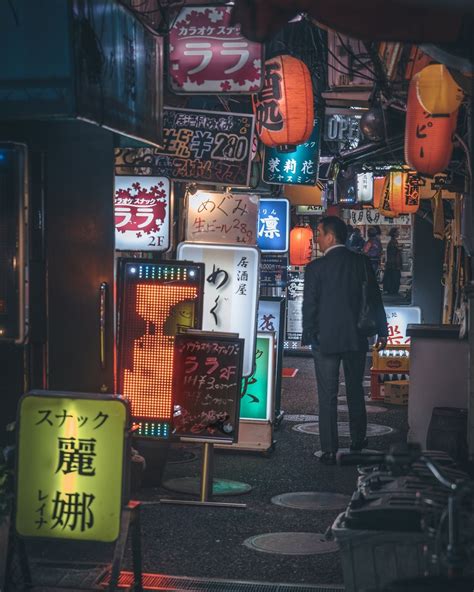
column 466, row 150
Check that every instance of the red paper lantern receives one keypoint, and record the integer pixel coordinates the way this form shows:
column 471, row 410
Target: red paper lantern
column 301, row 245
column 400, row 194
column 428, row 137
column 284, row 108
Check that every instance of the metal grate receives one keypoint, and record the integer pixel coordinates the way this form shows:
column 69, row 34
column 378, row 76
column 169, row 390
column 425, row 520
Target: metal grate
column 184, row 584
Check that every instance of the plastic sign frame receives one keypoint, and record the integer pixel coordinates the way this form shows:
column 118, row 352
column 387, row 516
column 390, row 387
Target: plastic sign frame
column 398, row 318
column 71, row 465
column 157, row 301
column 273, row 235
column 143, row 209
column 230, row 290
column 259, row 389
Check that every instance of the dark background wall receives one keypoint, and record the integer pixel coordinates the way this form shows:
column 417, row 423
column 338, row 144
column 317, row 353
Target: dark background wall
column 428, row 254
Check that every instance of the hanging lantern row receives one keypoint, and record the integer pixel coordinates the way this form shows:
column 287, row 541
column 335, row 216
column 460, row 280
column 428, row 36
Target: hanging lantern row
column 431, row 119
column 284, row 109
column 301, row 245
column 401, row 194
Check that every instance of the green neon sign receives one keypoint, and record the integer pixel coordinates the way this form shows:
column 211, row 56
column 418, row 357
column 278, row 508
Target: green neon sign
column 256, row 398
column 70, row 466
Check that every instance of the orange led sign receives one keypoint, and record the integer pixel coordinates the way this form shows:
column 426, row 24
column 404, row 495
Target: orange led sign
column 158, row 301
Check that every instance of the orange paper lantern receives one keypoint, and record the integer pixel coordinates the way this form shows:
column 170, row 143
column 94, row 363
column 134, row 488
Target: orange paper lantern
column 284, row 108
column 301, row 245
column 428, row 137
column 400, row 194
column 378, row 191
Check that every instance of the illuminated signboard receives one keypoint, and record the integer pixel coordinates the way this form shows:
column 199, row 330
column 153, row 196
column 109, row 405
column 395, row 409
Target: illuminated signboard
column 142, row 207
column 208, row 54
column 299, row 167
column 207, row 375
column 70, row 465
column 398, row 317
column 228, row 218
column 273, row 225
column 158, row 301
column 230, row 291
column 365, row 188
column 271, row 317
column 373, row 216
column 257, row 390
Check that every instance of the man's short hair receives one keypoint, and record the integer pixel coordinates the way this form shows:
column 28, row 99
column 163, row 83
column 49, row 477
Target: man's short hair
column 336, row 226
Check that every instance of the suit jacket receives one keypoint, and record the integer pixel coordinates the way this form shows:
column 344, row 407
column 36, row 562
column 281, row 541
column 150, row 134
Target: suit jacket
column 332, row 294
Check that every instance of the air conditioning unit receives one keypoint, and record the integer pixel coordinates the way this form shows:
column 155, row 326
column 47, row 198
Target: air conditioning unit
column 13, row 242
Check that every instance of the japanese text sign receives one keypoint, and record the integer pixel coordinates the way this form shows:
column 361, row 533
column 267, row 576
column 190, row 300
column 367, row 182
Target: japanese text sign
column 207, row 375
column 257, row 390
column 70, row 465
column 373, row 216
column 142, row 213
column 299, row 167
column 198, row 146
column 273, row 273
column 294, row 318
column 398, row 317
column 158, row 301
column 229, row 218
column 207, row 54
column 273, row 225
column 230, row 291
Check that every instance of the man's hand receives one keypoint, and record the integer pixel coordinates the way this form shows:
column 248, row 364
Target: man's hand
column 381, row 342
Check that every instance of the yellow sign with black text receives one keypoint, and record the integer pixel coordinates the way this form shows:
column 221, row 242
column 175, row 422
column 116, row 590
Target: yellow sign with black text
column 70, row 465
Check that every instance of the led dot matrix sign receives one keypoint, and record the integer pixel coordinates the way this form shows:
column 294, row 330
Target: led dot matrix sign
column 158, row 301
column 70, row 465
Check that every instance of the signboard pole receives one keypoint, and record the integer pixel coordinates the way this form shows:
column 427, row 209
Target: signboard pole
column 206, row 484
column 130, row 518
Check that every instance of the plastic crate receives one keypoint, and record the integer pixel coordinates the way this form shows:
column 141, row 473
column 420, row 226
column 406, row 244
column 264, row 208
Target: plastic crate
column 370, row 559
column 388, row 360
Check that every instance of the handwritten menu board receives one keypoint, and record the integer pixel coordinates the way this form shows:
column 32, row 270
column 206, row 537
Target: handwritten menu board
column 198, row 146
column 229, row 218
column 207, row 375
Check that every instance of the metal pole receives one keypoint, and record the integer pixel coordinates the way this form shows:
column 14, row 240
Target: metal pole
column 207, row 472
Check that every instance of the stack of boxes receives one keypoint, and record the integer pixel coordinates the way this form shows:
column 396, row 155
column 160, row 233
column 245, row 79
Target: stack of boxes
column 389, row 374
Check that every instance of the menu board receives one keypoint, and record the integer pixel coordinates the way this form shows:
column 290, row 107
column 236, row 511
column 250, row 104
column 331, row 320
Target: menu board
column 198, row 146
column 207, row 375
column 294, row 319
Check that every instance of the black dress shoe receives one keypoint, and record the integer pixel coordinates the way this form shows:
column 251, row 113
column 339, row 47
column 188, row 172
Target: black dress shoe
column 328, row 458
column 357, row 447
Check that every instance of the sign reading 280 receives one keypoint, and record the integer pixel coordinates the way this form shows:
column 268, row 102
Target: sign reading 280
column 198, row 146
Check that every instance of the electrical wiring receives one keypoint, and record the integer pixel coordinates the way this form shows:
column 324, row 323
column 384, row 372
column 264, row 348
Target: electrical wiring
column 354, row 55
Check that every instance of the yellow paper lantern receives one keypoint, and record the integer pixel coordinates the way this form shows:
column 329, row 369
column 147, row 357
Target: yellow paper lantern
column 400, row 194
column 437, row 90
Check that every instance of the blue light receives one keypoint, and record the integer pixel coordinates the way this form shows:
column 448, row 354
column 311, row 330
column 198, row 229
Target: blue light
column 3, row 156
column 192, row 273
column 133, row 270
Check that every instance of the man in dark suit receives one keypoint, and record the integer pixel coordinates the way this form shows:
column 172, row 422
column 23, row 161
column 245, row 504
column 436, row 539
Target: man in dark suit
column 332, row 299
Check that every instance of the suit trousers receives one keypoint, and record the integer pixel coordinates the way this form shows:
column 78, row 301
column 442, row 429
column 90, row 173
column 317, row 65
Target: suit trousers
column 327, row 378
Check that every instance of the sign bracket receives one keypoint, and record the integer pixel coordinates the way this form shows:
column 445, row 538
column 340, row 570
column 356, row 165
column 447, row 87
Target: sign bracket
column 130, row 522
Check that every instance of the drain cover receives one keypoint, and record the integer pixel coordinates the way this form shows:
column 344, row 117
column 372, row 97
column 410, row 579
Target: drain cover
column 192, row 485
column 312, row 500
column 302, row 417
column 373, row 429
column 369, row 408
column 291, row 543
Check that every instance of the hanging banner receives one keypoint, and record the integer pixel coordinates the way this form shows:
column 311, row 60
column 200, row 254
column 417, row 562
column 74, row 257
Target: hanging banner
column 273, row 225
column 228, row 218
column 299, row 167
column 207, row 374
column 257, row 390
column 294, row 315
column 157, row 301
column 398, row 317
column 199, row 146
column 230, row 291
column 142, row 208
column 372, row 216
column 207, row 54
column 71, row 454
